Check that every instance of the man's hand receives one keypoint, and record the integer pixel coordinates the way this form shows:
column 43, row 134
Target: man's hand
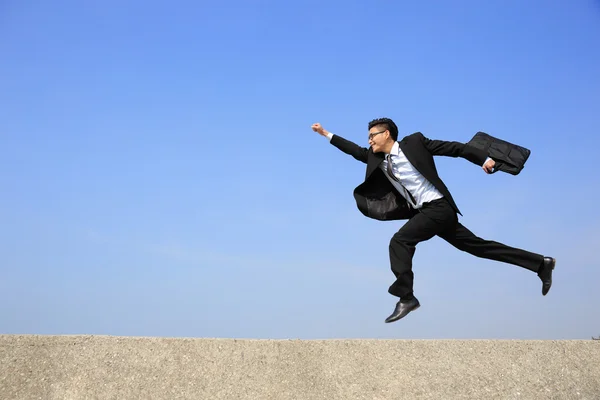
column 319, row 129
column 488, row 167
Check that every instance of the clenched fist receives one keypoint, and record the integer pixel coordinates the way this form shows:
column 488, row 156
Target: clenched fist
column 319, row 129
column 488, row 167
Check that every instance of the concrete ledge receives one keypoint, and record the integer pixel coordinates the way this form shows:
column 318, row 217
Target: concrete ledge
column 107, row 367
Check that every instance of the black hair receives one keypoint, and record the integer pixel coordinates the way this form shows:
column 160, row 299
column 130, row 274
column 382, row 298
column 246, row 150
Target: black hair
column 388, row 124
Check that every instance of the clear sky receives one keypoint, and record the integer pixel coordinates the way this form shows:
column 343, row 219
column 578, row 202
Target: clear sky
column 159, row 176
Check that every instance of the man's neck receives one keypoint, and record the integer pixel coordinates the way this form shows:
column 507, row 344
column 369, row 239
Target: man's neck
column 387, row 149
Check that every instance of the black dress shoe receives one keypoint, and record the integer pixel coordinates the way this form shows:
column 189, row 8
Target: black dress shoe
column 403, row 307
column 545, row 273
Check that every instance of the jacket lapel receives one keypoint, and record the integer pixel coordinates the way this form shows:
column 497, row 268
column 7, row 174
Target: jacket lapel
column 375, row 159
column 410, row 156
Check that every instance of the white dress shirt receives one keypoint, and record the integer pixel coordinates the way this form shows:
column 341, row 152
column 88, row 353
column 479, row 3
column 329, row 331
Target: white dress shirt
column 420, row 188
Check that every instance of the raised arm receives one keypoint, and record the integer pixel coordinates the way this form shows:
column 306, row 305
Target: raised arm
column 458, row 149
column 348, row 147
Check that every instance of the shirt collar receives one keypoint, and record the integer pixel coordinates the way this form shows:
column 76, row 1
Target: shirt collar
column 395, row 149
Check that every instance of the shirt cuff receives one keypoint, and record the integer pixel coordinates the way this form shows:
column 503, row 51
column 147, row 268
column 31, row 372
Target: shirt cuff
column 329, row 136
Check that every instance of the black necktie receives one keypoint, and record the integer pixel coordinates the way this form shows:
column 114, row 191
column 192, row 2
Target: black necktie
column 390, row 172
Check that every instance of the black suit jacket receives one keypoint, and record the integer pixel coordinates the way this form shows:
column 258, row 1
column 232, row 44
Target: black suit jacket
column 377, row 198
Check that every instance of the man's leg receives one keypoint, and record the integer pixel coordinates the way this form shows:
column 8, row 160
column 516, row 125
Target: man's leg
column 434, row 218
column 463, row 239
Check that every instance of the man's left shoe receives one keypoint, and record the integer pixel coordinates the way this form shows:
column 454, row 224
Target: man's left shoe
column 545, row 274
column 403, row 307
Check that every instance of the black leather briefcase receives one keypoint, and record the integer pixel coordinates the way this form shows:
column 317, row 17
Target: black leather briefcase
column 509, row 157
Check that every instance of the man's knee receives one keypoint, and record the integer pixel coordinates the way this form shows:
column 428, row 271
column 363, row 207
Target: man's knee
column 400, row 240
column 468, row 244
column 397, row 237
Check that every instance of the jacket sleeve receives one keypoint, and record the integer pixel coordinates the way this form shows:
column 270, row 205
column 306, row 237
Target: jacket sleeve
column 455, row 149
column 348, row 147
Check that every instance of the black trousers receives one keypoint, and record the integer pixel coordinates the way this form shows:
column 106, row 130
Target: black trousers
column 439, row 218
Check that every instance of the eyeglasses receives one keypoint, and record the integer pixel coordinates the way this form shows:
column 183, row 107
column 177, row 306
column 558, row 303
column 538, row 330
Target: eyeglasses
column 372, row 135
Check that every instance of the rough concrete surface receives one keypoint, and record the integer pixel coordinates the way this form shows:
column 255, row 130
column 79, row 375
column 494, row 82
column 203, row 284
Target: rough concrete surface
column 108, row 367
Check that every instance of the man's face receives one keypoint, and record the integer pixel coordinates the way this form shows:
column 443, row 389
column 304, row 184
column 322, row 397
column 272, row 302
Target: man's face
column 378, row 136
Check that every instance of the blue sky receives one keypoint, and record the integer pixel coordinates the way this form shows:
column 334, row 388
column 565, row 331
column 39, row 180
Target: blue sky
column 160, row 178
